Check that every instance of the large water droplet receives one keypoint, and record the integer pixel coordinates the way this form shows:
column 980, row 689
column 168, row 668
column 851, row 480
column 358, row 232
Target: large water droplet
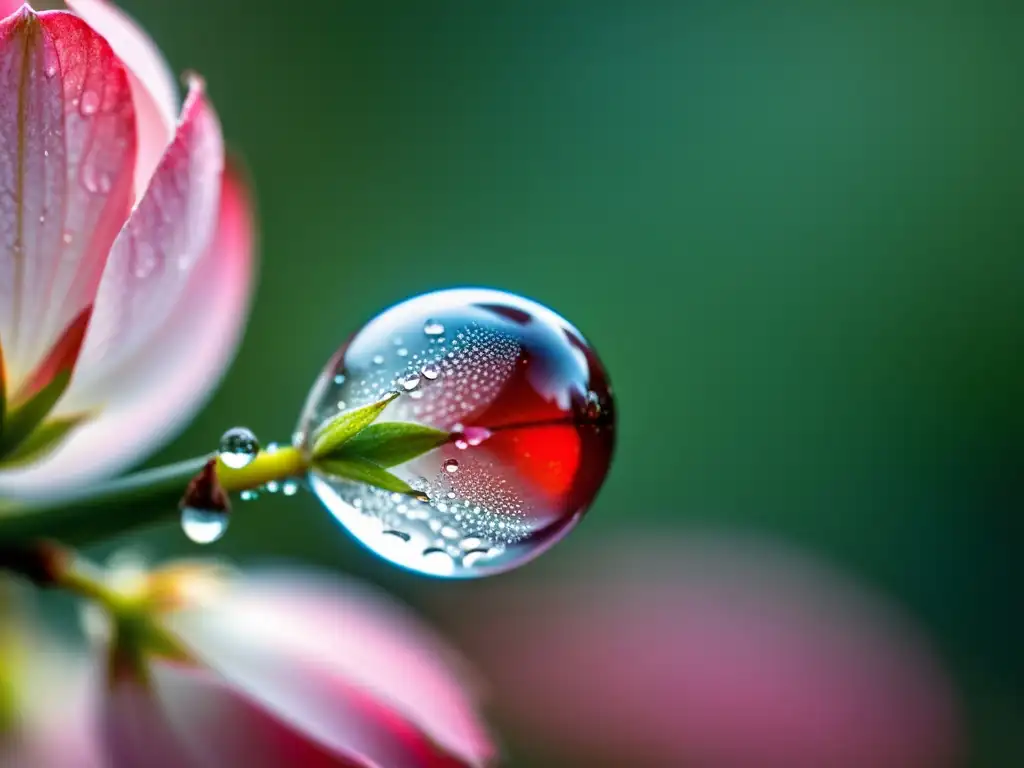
column 513, row 382
column 238, row 447
column 203, row 526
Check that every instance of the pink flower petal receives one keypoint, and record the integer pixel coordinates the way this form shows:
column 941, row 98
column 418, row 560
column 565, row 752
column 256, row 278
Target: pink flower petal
column 67, row 154
column 353, row 671
column 7, row 7
column 165, row 383
column 153, row 84
column 136, row 731
column 709, row 651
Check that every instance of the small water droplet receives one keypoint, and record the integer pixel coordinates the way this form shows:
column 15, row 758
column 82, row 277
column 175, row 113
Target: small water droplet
column 416, row 394
column 249, row 495
column 421, row 496
column 51, row 71
column 410, row 382
column 203, row 526
column 451, row 494
column 339, row 379
column 461, row 445
column 450, row 533
column 341, row 405
column 238, row 447
column 451, row 466
column 68, row 238
column 272, row 487
column 272, row 447
column 431, row 371
column 476, row 435
column 90, row 103
column 289, row 488
column 402, row 352
column 433, row 328
column 378, row 359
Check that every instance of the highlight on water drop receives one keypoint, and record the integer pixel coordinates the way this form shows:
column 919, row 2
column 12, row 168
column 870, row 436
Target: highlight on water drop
column 203, row 526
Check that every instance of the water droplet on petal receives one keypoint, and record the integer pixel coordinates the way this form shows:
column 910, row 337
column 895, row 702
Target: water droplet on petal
column 90, row 103
column 68, row 238
column 249, row 495
column 529, row 450
column 203, row 526
column 238, row 447
column 51, row 71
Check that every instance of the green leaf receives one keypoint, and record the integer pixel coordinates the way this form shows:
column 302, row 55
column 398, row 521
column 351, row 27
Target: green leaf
column 22, row 420
column 41, row 441
column 347, row 425
column 391, row 443
column 363, row 471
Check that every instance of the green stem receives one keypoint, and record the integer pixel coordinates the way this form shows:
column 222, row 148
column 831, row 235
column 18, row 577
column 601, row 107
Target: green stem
column 137, row 501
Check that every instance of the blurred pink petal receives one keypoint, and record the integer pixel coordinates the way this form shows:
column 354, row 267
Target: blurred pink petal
column 67, row 153
column 288, row 669
column 54, row 690
column 153, row 84
column 705, row 651
column 353, row 672
column 7, row 7
column 172, row 376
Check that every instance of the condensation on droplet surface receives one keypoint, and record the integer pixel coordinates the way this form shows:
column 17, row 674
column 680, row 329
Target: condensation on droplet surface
column 238, row 447
column 203, row 526
column 532, row 420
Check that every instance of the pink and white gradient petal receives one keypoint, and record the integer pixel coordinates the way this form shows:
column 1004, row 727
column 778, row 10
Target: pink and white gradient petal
column 354, row 672
column 67, row 155
column 153, row 84
column 167, row 381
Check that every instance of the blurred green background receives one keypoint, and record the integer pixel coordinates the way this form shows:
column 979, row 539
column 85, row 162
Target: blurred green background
column 794, row 232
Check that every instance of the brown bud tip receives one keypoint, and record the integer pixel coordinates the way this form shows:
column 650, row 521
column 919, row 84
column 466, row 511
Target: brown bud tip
column 205, row 492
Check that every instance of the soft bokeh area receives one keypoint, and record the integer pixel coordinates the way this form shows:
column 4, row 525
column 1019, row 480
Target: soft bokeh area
column 794, row 233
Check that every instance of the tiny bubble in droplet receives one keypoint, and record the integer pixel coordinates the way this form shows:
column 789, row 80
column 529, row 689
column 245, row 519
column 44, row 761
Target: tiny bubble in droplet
column 451, row 466
column 238, row 447
column 433, row 328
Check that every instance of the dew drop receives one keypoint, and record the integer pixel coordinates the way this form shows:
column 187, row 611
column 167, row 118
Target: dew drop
column 238, row 447
column 51, row 71
column 461, row 445
column 433, row 328
column 272, row 487
column 421, row 496
column 339, row 379
column 90, row 103
column 410, row 382
column 402, row 352
column 289, row 487
column 378, row 359
column 68, row 238
column 431, row 371
column 203, row 526
column 451, row 466
column 341, row 405
column 249, row 495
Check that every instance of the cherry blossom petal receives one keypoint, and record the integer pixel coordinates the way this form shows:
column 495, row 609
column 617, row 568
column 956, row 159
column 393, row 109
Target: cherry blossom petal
column 153, row 84
column 709, row 651
column 163, row 386
column 354, row 672
column 67, row 154
column 161, row 245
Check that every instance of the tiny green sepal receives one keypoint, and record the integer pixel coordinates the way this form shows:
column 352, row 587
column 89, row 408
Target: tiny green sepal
column 40, row 441
column 362, row 470
column 391, row 443
column 347, row 425
column 22, row 419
